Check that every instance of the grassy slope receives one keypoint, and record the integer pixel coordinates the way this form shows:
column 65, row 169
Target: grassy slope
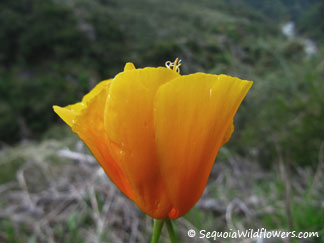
column 49, row 197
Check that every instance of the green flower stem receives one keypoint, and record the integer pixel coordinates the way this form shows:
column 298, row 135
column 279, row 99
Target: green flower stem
column 157, row 227
column 171, row 231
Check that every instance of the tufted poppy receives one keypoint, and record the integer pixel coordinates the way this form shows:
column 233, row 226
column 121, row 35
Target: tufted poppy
column 156, row 133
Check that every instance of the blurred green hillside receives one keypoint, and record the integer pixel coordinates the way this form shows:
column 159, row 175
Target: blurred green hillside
column 54, row 51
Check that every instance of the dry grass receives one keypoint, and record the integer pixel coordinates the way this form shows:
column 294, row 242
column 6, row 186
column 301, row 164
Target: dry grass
column 65, row 193
column 60, row 194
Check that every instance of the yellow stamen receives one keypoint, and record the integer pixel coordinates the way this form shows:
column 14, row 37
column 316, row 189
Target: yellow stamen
column 175, row 66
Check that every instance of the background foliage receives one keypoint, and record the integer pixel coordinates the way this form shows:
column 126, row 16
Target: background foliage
column 52, row 52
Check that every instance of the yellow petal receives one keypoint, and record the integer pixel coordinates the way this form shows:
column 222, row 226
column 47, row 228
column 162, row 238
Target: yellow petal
column 87, row 120
column 228, row 133
column 129, row 66
column 103, row 85
column 69, row 113
column 192, row 114
column 66, row 114
column 129, row 125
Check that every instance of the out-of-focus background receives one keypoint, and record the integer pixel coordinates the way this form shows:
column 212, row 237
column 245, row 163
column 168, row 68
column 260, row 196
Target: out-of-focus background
column 270, row 175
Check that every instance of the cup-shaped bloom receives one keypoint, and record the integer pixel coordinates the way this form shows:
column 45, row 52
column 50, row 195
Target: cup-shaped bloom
column 156, row 133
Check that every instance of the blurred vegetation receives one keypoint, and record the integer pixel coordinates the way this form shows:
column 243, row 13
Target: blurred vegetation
column 53, row 51
column 45, row 197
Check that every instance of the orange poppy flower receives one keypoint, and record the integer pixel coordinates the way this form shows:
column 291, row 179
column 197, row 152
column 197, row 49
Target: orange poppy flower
column 156, row 133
